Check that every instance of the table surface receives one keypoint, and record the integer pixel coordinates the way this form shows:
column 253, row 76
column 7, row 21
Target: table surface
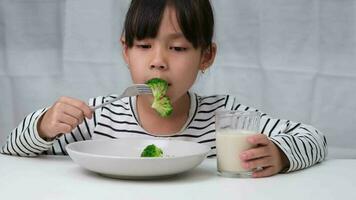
column 58, row 177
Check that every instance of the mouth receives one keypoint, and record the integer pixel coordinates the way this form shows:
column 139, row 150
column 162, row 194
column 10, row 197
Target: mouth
column 169, row 84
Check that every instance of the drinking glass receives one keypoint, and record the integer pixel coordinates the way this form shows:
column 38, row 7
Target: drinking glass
column 232, row 130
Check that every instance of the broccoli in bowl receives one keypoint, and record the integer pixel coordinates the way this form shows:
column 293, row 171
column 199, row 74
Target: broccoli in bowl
column 161, row 102
column 152, row 151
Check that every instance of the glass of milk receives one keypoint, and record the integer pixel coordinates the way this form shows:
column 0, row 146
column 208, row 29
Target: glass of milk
column 232, row 130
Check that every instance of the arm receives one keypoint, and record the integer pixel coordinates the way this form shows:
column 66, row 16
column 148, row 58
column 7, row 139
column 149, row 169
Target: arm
column 25, row 140
column 283, row 146
column 303, row 145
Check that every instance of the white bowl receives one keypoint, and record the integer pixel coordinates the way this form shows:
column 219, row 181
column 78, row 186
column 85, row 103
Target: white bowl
column 120, row 158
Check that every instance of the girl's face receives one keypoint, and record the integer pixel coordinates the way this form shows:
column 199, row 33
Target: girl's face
column 169, row 56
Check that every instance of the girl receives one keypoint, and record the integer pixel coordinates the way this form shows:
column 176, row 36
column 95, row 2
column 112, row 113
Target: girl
column 171, row 40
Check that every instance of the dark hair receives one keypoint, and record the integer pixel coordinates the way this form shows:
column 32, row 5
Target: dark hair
column 195, row 18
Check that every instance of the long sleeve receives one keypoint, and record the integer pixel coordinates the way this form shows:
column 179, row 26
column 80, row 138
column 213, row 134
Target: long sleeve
column 303, row 144
column 24, row 140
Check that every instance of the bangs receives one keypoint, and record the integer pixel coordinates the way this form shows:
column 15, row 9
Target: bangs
column 195, row 19
column 143, row 20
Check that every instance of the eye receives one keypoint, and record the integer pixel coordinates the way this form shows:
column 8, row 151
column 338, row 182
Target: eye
column 178, row 49
column 143, row 46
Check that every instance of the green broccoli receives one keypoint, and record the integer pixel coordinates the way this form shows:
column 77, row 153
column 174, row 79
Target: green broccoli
column 152, row 151
column 159, row 87
column 161, row 103
column 163, row 106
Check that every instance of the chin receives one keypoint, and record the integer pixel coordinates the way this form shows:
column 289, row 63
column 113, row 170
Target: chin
column 175, row 98
column 148, row 98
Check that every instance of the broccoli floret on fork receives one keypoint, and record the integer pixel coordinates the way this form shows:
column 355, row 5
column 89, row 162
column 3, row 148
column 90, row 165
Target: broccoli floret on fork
column 161, row 102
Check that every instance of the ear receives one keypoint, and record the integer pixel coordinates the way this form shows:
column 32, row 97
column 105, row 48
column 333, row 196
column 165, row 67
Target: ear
column 124, row 49
column 208, row 57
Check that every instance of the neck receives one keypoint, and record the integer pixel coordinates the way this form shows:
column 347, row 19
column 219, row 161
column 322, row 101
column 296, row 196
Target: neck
column 155, row 124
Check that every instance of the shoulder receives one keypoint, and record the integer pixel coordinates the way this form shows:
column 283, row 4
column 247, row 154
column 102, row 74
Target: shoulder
column 225, row 101
column 222, row 101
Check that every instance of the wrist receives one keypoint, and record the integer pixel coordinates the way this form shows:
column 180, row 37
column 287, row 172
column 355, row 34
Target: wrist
column 284, row 161
column 40, row 130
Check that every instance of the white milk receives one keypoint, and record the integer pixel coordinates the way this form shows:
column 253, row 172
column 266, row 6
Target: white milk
column 229, row 145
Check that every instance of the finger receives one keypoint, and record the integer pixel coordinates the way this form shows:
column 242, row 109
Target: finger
column 258, row 139
column 79, row 104
column 256, row 163
column 255, row 153
column 265, row 172
column 73, row 112
column 63, row 128
column 69, row 120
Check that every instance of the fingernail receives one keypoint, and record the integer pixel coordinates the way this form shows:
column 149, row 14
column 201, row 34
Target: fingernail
column 244, row 156
column 245, row 165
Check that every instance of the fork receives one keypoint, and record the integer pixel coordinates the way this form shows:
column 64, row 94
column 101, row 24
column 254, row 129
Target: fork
column 137, row 89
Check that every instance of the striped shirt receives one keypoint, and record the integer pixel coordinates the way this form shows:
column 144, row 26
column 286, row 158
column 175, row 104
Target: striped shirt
column 303, row 145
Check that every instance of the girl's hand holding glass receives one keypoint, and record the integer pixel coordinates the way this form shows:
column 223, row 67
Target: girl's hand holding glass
column 65, row 114
column 265, row 155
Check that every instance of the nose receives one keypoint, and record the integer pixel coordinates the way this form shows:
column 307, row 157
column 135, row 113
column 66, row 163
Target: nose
column 159, row 67
column 158, row 61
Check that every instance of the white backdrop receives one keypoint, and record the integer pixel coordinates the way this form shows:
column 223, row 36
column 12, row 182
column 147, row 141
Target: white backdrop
column 293, row 59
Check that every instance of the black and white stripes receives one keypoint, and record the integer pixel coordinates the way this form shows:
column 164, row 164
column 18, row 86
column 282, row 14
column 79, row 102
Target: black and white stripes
column 23, row 140
column 303, row 144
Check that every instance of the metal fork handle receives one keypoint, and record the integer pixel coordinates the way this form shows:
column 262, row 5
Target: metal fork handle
column 105, row 103
column 136, row 89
